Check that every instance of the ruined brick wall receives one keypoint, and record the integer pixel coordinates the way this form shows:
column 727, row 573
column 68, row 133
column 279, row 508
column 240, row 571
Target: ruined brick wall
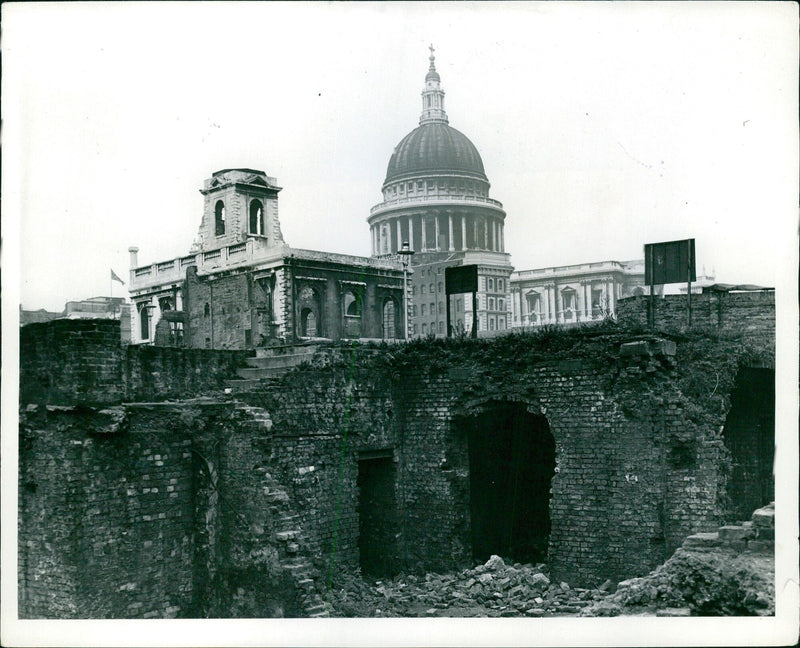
column 640, row 459
column 106, row 516
column 153, row 373
column 218, row 312
column 272, row 485
column 323, row 419
column 741, row 314
column 150, row 511
column 72, row 362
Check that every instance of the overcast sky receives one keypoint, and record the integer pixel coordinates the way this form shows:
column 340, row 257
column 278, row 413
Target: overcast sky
column 601, row 126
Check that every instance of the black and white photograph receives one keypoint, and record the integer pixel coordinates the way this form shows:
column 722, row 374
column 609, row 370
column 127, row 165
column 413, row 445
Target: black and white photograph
column 400, row 324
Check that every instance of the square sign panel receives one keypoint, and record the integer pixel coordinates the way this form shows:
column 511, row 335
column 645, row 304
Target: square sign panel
column 461, row 279
column 671, row 262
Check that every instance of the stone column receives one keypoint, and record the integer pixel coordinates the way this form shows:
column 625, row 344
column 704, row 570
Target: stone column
column 436, row 229
column 485, row 234
column 450, row 245
column 494, row 236
column 502, row 237
column 411, row 231
column 463, row 231
column 612, row 306
column 545, row 305
column 399, row 236
column 422, row 222
column 587, row 289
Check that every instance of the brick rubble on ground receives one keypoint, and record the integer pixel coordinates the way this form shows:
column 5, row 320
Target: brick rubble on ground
column 491, row 589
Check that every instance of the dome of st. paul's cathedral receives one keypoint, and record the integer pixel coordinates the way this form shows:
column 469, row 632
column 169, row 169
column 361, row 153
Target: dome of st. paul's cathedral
column 434, row 148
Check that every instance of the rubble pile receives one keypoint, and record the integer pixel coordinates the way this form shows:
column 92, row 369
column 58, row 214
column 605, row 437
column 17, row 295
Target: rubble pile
column 493, row 589
column 726, row 572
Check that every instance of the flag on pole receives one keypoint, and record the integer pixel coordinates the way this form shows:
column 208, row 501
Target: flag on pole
column 114, row 277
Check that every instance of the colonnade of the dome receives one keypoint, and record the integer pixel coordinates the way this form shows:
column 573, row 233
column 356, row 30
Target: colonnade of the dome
column 439, row 230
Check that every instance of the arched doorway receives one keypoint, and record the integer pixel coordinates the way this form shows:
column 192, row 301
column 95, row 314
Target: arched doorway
column 511, row 464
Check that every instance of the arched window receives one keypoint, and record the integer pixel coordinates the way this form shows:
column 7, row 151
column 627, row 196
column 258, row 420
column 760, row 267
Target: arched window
column 219, row 218
column 206, row 310
column 352, row 314
column 144, row 322
column 256, row 217
column 352, row 305
column 389, row 331
column 308, row 323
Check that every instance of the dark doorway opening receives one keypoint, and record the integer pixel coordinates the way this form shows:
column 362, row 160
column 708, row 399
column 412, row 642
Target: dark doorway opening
column 511, row 465
column 749, row 435
column 376, row 515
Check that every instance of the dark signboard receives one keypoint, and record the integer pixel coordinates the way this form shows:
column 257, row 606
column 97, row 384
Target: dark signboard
column 671, row 262
column 461, row 279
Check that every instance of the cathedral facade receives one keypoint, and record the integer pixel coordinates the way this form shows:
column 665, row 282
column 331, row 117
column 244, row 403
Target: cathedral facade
column 242, row 286
column 436, row 199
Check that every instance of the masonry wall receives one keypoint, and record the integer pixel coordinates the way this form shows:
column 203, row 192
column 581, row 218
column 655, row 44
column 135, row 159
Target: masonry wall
column 71, row 362
column 618, row 507
column 324, row 419
column 741, row 314
column 153, row 511
column 231, row 509
column 106, row 516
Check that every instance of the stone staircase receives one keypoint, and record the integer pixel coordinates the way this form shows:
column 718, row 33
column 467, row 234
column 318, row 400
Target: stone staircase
column 287, row 531
column 756, row 535
column 270, row 363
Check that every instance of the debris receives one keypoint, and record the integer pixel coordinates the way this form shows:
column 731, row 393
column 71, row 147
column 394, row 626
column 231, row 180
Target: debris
column 495, row 563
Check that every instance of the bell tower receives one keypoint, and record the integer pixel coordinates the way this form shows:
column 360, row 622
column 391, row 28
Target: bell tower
column 239, row 204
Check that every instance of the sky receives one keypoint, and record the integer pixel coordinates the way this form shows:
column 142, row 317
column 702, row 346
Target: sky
column 602, row 126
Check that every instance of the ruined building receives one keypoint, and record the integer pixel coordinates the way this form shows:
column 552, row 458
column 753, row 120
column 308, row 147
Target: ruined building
column 242, row 286
column 436, row 198
column 151, row 484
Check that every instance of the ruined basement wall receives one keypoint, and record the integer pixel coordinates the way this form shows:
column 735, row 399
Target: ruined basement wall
column 150, row 511
column 154, row 373
column 748, row 315
column 639, row 462
column 323, row 420
column 71, row 361
column 106, row 516
column 74, row 362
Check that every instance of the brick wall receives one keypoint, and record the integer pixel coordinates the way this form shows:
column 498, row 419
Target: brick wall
column 158, row 373
column 741, row 314
column 71, row 362
column 106, row 516
column 149, row 511
column 639, row 459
